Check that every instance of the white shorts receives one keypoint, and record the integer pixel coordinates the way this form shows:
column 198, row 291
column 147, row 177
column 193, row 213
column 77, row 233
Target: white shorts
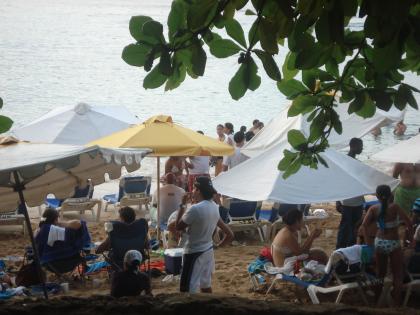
column 203, row 268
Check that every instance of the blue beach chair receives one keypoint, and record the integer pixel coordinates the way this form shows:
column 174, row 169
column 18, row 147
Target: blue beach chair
column 133, row 191
column 242, row 216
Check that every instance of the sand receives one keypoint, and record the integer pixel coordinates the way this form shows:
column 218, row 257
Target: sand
column 231, row 275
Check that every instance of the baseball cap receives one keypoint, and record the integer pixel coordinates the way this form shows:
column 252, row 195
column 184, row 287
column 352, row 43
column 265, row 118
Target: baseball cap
column 416, row 206
column 204, row 185
column 132, row 255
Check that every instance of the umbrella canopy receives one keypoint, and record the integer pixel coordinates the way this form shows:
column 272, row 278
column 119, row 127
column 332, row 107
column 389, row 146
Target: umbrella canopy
column 77, row 125
column 165, row 138
column 353, row 126
column 54, row 168
column 258, row 179
column 407, row 151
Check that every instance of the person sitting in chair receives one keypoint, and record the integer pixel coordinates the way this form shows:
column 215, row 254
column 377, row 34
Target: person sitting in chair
column 286, row 243
column 60, row 243
column 130, row 281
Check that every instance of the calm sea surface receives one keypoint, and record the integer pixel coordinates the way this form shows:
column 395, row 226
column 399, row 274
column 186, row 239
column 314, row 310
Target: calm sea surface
column 61, row 52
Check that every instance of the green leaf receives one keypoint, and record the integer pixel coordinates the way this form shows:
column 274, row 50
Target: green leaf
column 201, row 13
column 291, row 88
column 267, row 33
column 322, row 160
column 253, row 36
column 250, row 12
column 293, row 168
column 322, row 29
column 401, row 97
column 229, row 10
column 287, row 160
column 1, row 102
column 5, row 123
column 153, row 29
column 165, row 63
column 317, row 127
column 309, row 77
column 296, row 138
column 198, row 59
column 356, row 104
column 177, row 17
column 135, row 54
column 332, row 67
column 289, row 71
column 237, row 85
column 368, row 107
column 222, row 48
column 154, row 79
column 269, row 65
column 234, row 30
column 308, row 58
column 176, row 78
column 302, row 105
column 254, row 80
column 136, row 26
column 386, row 58
column 240, row 3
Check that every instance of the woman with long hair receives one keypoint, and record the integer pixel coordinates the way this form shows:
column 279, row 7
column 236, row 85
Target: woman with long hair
column 387, row 216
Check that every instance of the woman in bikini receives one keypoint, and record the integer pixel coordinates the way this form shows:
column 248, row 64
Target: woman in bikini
column 177, row 165
column 286, row 243
column 218, row 160
column 387, row 216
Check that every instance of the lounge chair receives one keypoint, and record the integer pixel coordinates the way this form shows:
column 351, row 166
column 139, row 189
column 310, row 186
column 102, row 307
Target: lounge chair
column 133, row 191
column 80, row 202
column 242, row 215
column 333, row 281
column 10, row 219
column 413, row 273
column 124, row 237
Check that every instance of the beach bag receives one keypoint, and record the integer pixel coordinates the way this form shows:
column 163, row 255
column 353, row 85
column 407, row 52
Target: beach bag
column 28, row 274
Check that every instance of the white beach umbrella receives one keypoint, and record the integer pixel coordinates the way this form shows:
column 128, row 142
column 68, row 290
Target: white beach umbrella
column 29, row 172
column 78, row 124
column 353, row 126
column 407, row 151
column 259, row 179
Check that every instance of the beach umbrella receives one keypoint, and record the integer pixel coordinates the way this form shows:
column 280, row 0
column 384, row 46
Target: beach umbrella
column 259, row 179
column 29, row 172
column 78, row 124
column 165, row 138
column 353, row 126
column 407, row 151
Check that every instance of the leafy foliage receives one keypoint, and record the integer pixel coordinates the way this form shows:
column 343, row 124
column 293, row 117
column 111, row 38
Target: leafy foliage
column 319, row 39
column 5, row 122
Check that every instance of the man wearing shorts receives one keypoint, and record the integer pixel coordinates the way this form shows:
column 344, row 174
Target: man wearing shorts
column 200, row 222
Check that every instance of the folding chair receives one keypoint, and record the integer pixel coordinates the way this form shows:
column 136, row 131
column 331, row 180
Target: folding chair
column 413, row 273
column 124, row 237
column 242, row 216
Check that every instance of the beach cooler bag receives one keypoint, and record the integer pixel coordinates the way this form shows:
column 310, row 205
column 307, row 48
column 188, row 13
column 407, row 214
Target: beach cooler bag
column 173, row 260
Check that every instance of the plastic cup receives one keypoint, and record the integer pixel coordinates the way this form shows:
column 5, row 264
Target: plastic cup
column 65, row 287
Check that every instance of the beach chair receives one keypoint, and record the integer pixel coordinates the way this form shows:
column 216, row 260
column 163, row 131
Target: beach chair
column 133, row 191
column 80, row 202
column 331, row 282
column 11, row 219
column 413, row 274
column 124, row 237
column 242, row 215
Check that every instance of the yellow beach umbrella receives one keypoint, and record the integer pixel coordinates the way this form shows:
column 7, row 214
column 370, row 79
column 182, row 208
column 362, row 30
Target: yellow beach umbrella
column 165, row 138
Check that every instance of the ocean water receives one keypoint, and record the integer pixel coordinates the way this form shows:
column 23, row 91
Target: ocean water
column 58, row 52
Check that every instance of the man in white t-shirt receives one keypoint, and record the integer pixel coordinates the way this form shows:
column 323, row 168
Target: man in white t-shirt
column 197, row 166
column 237, row 157
column 170, row 198
column 200, row 222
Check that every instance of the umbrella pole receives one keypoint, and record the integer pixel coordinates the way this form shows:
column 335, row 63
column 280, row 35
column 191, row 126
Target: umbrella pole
column 19, row 189
column 158, row 198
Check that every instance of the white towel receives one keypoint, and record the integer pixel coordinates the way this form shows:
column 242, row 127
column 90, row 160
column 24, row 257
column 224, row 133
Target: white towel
column 56, row 233
column 352, row 253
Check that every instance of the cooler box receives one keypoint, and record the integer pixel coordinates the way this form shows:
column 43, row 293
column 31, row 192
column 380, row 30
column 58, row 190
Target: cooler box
column 173, row 260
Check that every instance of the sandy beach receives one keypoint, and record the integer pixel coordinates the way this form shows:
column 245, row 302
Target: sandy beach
column 230, row 277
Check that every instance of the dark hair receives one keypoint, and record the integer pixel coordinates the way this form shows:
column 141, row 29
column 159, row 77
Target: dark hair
column 239, row 137
column 242, row 129
column 205, row 186
column 260, row 124
column 200, row 132
column 355, row 141
column 255, row 121
column 229, row 126
column 127, row 214
column 383, row 192
column 292, row 216
column 249, row 135
column 49, row 216
column 220, row 126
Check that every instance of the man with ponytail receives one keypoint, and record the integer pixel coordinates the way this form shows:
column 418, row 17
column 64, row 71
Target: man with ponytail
column 388, row 216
